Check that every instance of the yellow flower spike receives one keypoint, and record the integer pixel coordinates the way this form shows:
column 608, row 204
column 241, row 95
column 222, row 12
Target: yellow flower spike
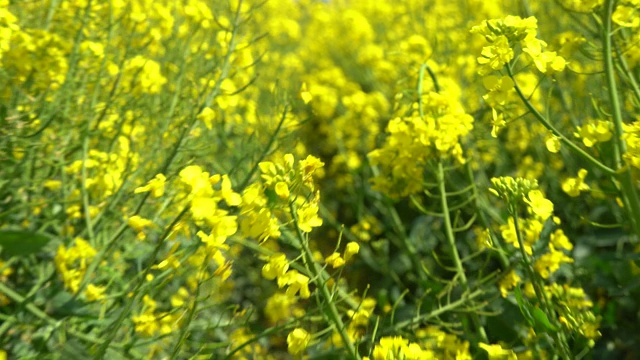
column 297, row 341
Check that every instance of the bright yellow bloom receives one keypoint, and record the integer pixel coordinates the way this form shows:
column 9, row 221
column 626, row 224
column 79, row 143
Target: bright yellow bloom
column 296, row 282
column 138, row 223
column 282, row 190
column 539, row 205
column 508, row 282
column 95, row 293
column 573, row 186
column 52, row 185
column 626, row 16
column 155, row 186
column 207, row 116
column 351, row 249
column 297, row 341
column 305, row 94
column 496, row 352
column 594, row 131
column 276, row 267
column 308, row 217
column 335, row 260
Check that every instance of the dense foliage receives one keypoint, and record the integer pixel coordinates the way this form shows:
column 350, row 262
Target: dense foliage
column 250, row 179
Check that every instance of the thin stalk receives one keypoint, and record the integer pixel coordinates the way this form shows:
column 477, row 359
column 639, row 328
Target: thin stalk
column 321, row 281
column 37, row 312
column 444, row 204
column 555, row 131
column 624, row 175
column 115, row 326
column 448, row 226
column 539, row 290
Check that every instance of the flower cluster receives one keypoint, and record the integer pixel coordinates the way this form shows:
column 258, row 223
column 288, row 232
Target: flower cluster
column 285, row 185
column 504, row 34
column 434, row 131
column 72, row 264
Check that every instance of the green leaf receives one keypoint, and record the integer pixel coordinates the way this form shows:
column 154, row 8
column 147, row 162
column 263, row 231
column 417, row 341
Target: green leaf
column 64, row 304
column 21, row 242
column 523, row 306
column 543, row 321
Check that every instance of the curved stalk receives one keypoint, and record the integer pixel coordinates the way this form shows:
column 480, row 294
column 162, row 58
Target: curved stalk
column 545, row 122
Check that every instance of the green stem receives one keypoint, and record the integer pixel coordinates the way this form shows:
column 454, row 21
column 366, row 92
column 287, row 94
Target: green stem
column 483, row 217
column 321, row 281
column 539, row 289
column 34, row 310
column 629, row 191
column 115, row 326
column 555, row 131
column 454, row 249
column 445, row 205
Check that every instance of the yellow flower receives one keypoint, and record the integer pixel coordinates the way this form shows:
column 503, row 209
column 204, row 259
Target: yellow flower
column 308, row 217
column 297, row 341
column 626, row 16
column 95, row 293
column 305, row 94
column 351, row 249
column 335, row 260
column 276, row 267
column 282, row 190
column 553, row 144
column 155, row 186
column 496, row 352
column 296, row 282
column 138, row 223
column 508, row 282
column 52, row 185
column 145, row 324
column 539, row 205
column 495, row 56
column 573, row 186
column 397, row 347
column 232, row 198
column 594, row 131
column 207, row 116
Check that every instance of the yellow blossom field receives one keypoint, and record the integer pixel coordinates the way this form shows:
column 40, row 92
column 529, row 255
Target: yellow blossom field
column 308, row 179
